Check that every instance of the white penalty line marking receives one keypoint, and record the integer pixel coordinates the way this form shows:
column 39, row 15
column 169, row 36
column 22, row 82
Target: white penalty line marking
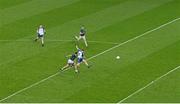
column 116, row 46
column 91, row 41
column 149, row 84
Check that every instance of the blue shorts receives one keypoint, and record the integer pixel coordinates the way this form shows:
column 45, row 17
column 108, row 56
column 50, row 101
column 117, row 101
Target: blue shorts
column 80, row 60
column 40, row 36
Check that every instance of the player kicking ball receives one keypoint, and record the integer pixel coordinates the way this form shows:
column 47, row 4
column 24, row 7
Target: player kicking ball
column 82, row 35
column 81, row 57
column 71, row 62
column 40, row 34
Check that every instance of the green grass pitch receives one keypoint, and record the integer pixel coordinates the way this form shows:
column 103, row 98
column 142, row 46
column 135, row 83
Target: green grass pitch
column 144, row 33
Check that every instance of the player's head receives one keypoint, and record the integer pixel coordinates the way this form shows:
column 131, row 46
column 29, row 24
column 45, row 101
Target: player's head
column 41, row 26
column 76, row 53
column 82, row 27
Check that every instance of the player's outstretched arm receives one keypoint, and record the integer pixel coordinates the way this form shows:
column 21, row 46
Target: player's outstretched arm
column 68, row 56
column 77, row 47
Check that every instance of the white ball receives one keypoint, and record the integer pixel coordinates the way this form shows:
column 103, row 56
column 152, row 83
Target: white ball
column 117, row 57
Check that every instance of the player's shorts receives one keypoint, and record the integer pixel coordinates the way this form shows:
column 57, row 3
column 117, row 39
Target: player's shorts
column 83, row 37
column 70, row 62
column 80, row 60
column 82, row 34
column 40, row 35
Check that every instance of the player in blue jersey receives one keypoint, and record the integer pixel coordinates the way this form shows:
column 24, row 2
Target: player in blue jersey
column 71, row 62
column 81, row 57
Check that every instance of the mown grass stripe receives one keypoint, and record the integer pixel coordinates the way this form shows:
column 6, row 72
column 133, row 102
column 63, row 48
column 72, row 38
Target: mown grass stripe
column 149, row 84
column 101, row 18
column 4, row 4
column 52, row 18
column 28, row 9
column 116, row 46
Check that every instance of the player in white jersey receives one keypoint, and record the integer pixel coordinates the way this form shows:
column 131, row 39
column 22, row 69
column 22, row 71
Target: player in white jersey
column 81, row 57
column 82, row 35
column 40, row 34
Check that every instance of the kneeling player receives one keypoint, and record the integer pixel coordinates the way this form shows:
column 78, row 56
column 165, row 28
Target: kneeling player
column 40, row 34
column 81, row 58
column 71, row 62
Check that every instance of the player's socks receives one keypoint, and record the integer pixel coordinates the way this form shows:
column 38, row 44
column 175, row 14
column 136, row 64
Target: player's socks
column 86, row 43
column 42, row 42
column 87, row 64
column 76, row 70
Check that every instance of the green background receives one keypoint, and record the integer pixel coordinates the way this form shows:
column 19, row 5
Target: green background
column 24, row 62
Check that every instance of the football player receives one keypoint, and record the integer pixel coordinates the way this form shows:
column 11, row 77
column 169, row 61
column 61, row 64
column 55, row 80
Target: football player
column 71, row 62
column 81, row 57
column 40, row 34
column 82, row 35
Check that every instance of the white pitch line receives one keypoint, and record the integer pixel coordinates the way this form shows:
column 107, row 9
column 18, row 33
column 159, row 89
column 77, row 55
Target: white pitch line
column 28, row 40
column 136, row 37
column 91, row 41
column 149, row 84
column 116, row 46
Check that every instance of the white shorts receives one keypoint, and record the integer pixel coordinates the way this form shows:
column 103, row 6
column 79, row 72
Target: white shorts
column 70, row 61
column 82, row 37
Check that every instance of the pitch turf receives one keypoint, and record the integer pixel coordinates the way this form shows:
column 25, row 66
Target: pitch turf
column 126, row 28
